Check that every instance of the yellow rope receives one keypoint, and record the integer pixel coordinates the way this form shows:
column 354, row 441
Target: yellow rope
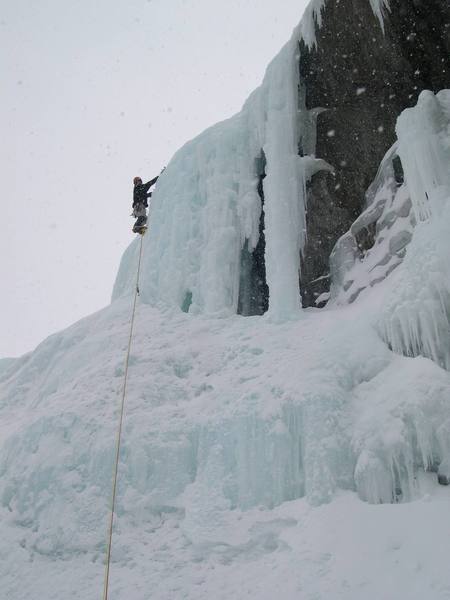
column 119, row 435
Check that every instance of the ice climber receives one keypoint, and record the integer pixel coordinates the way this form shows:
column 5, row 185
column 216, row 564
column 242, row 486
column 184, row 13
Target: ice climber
column 141, row 194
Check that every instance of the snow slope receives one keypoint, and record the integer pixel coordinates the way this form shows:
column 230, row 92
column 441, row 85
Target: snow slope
column 229, row 424
column 294, row 455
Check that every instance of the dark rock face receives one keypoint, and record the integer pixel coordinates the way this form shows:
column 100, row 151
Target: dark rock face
column 363, row 78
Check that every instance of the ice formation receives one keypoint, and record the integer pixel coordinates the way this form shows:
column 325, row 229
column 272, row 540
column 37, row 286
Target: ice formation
column 235, row 426
column 350, row 414
column 312, row 17
column 379, row 8
column 425, row 152
column 245, row 437
column 207, row 208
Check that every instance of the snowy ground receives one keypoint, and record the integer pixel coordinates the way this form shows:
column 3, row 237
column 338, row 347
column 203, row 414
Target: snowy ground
column 345, row 550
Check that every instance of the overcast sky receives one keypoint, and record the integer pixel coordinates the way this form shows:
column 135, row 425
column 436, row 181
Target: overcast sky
column 95, row 92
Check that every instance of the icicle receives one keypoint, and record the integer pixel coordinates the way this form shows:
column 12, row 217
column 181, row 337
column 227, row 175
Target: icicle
column 379, row 7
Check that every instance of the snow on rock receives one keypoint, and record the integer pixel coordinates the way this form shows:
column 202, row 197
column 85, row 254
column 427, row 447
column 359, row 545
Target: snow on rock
column 405, row 228
column 376, row 242
column 416, row 315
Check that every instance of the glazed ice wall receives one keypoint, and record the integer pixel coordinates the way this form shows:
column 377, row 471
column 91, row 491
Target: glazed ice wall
column 206, row 206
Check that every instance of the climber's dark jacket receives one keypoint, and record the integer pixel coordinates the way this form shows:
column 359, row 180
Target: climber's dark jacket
column 141, row 192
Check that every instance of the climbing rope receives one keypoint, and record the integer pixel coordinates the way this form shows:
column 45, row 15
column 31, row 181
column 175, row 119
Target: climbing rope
column 119, row 433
